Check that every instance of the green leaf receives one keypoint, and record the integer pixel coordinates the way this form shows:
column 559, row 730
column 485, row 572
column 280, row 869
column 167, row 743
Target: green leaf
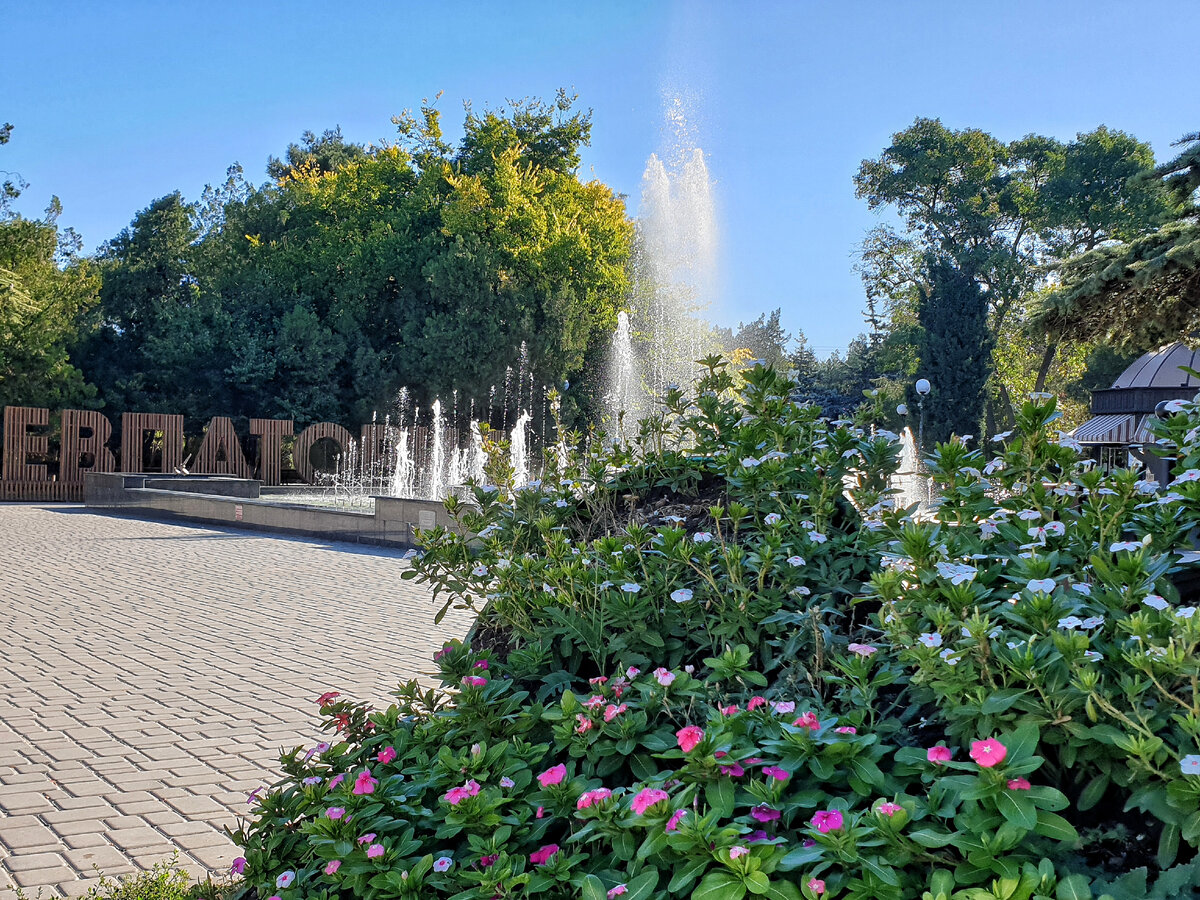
column 757, row 883
column 1168, row 845
column 1000, row 700
column 683, row 878
column 1073, row 887
column 1092, row 792
column 1017, row 809
column 593, row 889
column 720, row 886
column 926, row 837
column 782, row 890
column 719, row 796
column 643, row 886
column 882, row 871
column 1055, row 827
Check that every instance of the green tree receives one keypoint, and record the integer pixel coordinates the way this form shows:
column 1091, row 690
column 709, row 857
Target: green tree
column 955, row 351
column 44, row 288
column 1145, row 290
column 764, row 337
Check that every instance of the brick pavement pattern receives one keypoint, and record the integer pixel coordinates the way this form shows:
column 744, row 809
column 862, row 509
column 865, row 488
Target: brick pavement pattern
column 150, row 673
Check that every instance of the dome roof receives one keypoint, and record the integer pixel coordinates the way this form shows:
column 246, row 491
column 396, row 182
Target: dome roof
column 1160, row 369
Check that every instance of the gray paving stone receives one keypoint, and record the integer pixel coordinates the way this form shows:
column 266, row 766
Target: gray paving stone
column 157, row 707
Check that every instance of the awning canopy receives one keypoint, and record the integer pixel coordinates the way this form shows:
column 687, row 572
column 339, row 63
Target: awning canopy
column 1117, row 429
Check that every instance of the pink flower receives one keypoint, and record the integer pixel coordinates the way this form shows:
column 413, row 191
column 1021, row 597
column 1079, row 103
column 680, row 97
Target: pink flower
column 336, row 780
column 334, row 865
column 735, row 769
column 664, row 676
column 474, row 680
column 689, row 736
column 238, row 867
column 676, row 818
column 617, row 891
column 826, row 821
column 988, row 753
column 375, row 850
column 816, row 885
column 764, row 813
column 441, row 653
column 756, row 702
column 364, row 783
column 542, row 855
column 486, row 862
column 366, row 838
column 599, row 679
column 888, row 809
column 584, row 724
column 326, row 698
column 611, row 712
column 809, row 720
column 777, row 773
column 386, row 755
column 541, row 811
column 553, row 775
column 590, row 798
column 735, row 852
column 647, row 798
column 863, row 650
column 784, row 707
column 846, row 729
column 457, row 795
column 482, row 664
column 632, row 672
column 730, row 710
column 594, row 701
column 335, row 812
column 252, row 797
column 938, row 754
column 1019, row 784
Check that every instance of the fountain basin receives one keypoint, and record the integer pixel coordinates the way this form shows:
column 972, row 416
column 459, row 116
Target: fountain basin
column 240, row 503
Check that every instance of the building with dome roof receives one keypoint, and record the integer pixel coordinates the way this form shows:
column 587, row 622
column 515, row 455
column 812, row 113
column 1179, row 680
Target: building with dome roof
column 1120, row 414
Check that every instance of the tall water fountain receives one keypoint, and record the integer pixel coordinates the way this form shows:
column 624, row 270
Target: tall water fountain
column 674, row 281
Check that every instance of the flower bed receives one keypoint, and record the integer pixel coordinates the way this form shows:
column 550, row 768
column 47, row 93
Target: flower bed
column 719, row 663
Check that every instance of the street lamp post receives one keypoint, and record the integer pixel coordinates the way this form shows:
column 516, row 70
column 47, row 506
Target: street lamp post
column 922, row 387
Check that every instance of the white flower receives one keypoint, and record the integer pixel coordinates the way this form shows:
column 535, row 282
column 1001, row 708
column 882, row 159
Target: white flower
column 1040, row 585
column 479, row 571
column 1065, row 440
column 1146, row 487
column 561, row 504
column 772, row 519
column 816, row 537
column 1040, row 395
column 1092, row 656
column 664, row 676
column 800, row 591
column 1070, row 623
column 1056, row 528
column 1186, row 612
column 1029, row 515
column 1190, row 764
column 702, row 537
column 285, row 879
column 795, row 561
column 605, row 585
column 966, row 632
column 1156, row 602
column 1125, row 545
column 987, row 529
column 1093, row 621
column 549, row 589
column 1083, row 588
column 674, row 520
column 993, row 465
column 1189, row 475
column 631, row 587
column 1176, row 406
column 931, row 639
column 1013, row 645
column 849, row 453
column 1002, row 436
column 489, row 530
column 949, row 656
column 957, row 573
column 683, row 595
column 442, row 863
column 750, row 462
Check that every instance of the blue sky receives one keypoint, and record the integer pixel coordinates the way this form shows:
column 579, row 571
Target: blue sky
column 116, row 104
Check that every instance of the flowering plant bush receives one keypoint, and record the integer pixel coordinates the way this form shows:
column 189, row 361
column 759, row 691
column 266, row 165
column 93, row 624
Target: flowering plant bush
column 719, row 661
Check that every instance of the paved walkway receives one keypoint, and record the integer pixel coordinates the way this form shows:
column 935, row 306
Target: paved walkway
column 150, row 672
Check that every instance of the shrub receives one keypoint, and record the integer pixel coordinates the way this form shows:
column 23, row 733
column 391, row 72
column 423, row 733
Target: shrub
column 720, row 662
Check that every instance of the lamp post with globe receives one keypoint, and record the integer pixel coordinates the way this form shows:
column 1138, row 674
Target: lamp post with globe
column 922, row 388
